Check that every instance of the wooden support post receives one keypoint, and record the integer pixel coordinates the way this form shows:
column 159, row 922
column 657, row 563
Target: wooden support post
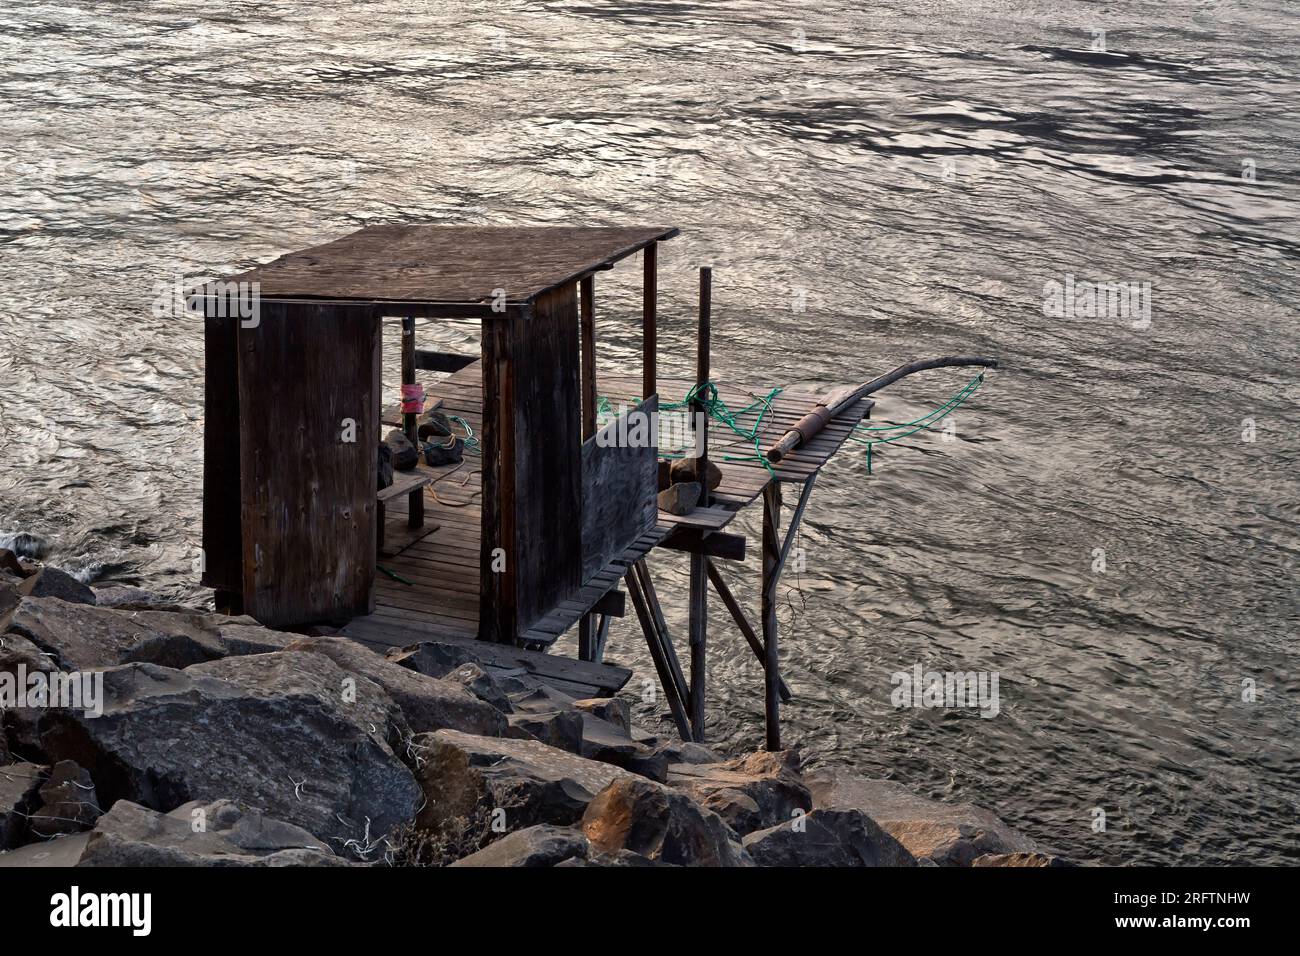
column 649, row 319
column 738, row 615
column 657, row 615
column 699, row 588
column 775, row 553
column 642, row 602
column 587, row 313
column 602, row 637
column 587, row 306
column 415, row 501
column 771, row 572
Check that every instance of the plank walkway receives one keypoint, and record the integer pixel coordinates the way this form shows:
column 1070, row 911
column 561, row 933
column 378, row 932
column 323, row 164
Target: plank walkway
column 441, row 600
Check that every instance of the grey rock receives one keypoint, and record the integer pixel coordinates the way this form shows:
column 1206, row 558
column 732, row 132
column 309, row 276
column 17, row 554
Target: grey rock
column 685, row 470
column 682, row 751
column 50, row 582
column 827, row 838
column 86, row 637
column 948, row 834
column 385, row 475
column 221, row 833
column 541, row 845
column 480, row 683
column 62, row 851
column 68, row 802
column 659, row 823
column 428, row 703
column 119, row 595
column 431, row 658
column 751, row 793
column 561, row 729
column 437, row 454
column 612, row 710
column 610, row 743
column 274, row 731
column 405, row 454
column 20, row 785
column 433, row 425
column 681, row 498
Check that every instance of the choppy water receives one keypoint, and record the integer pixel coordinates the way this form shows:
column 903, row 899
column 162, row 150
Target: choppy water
column 920, row 170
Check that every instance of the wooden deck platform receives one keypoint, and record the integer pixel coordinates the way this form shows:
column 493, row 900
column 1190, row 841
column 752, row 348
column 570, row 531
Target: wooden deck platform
column 437, row 596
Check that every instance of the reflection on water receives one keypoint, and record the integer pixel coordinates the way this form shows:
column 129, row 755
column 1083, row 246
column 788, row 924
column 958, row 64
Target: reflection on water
column 872, row 183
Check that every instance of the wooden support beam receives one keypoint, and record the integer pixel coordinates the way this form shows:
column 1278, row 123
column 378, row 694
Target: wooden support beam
column 649, row 319
column 653, row 642
column 742, row 622
column 415, row 501
column 771, row 665
column 699, row 589
column 657, row 614
column 711, row 544
column 775, row 553
column 602, row 637
column 587, row 309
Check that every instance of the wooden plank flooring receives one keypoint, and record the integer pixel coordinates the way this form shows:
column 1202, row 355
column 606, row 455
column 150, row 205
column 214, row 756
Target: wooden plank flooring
column 442, row 597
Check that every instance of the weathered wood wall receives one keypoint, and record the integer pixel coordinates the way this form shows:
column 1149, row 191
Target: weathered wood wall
column 619, row 486
column 308, row 495
column 222, row 551
column 532, row 450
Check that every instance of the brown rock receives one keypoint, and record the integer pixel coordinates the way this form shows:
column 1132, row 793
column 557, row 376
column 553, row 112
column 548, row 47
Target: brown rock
column 659, row 823
column 750, row 793
column 948, row 834
column 1023, row 859
column 541, row 845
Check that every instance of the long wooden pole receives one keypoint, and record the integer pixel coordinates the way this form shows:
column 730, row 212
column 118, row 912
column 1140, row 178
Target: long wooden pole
column 771, row 570
column 649, row 319
column 699, row 589
column 834, row 403
column 415, row 500
column 587, row 644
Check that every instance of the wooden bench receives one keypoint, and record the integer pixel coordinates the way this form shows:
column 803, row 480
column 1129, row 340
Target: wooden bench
column 411, row 483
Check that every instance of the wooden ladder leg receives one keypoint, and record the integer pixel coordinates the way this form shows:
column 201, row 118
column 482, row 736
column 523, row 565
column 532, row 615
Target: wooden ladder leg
column 698, row 639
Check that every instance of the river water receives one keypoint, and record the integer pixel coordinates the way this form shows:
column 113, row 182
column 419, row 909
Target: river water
column 1110, row 527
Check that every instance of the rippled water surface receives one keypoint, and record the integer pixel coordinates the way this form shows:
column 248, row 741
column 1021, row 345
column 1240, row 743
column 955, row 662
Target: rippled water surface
column 920, row 171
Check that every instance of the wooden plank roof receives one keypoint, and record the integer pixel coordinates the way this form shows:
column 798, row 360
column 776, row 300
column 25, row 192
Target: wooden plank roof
column 448, row 265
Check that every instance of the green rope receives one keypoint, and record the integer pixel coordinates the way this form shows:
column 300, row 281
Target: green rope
column 919, row 424
column 471, row 443
column 393, row 575
column 705, row 395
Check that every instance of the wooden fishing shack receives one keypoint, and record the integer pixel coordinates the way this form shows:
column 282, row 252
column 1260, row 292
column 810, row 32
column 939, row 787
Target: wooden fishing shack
column 535, row 538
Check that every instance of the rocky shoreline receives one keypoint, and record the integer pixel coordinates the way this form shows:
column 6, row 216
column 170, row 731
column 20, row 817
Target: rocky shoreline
column 134, row 734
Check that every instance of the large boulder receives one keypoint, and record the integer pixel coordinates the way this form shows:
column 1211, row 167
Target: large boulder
column 827, row 838
column 480, row 683
column 477, row 788
column 659, row 823
column 50, row 582
column 428, row 703
column 68, row 801
column 948, row 834
column 751, row 793
column 431, row 658
column 20, row 785
column 541, row 845
column 84, row 636
column 290, row 733
column 220, row 833
column 561, row 729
